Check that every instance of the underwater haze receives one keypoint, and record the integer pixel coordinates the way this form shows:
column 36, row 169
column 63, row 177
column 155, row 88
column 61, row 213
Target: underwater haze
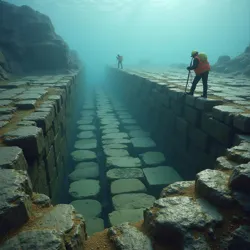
column 159, row 32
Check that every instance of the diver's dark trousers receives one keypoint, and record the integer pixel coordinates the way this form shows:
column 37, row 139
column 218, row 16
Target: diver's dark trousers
column 204, row 77
column 120, row 64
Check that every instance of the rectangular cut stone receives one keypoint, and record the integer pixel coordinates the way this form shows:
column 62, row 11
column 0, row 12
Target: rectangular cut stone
column 43, row 119
column 190, row 100
column 50, row 104
column 198, row 137
column 205, row 104
column 217, row 130
column 50, row 163
column 26, row 104
column 181, row 125
column 12, row 157
column 242, row 122
column 30, row 96
column 5, row 102
column 192, row 115
column 58, row 100
column 29, row 138
column 225, row 113
column 7, row 110
column 6, row 117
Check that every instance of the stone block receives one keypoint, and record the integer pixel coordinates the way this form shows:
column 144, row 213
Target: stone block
column 43, row 120
column 84, row 188
column 190, row 100
column 87, row 208
column 41, row 200
column 116, row 141
column 242, row 122
column 94, row 225
column 50, row 162
column 91, row 172
column 153, row 158
column 123, row 162
column 13, row 158
column 5, row 102
column 212, row 185
column 50, row 104
column 125, row 173
column 26, row 104
column 15, row 199
column 6, row 117
column 57, row 99
column 239, row 154
column 29, row 96
column 7, row 110
column 198, row 137
column 222, row 163
column 206, row 104
column 26, row 123
column 83, row 155
column 132, row 201
column 143, row 144
column 29, row 138
column 127, row 186
column 86, row 144
column 192, row 115
column 218, row 130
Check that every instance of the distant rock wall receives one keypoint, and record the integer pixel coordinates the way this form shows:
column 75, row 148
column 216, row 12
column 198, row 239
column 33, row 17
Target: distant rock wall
column 29, row 43
column 237, row 65
column 192, row 131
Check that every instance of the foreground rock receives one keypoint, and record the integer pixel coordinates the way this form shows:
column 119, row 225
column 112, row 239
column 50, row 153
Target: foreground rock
column 15, row 199
column 171, row 218
column 127, row 237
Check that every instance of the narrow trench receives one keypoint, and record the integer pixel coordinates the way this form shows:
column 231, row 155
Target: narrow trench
column 104, row 106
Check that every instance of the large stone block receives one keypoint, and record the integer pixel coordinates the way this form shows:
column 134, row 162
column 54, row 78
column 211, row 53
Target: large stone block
column 198, row 137
column 43, row 119
column 242, row 122
column 15, row 199
column 218, row 130
column 206, row 104
column 192, row 115
column 12, row 157
column 30, row 139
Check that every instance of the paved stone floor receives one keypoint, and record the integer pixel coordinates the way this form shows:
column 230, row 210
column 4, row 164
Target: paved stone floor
column 233, row 90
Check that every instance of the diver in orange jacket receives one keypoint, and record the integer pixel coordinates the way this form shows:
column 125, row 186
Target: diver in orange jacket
column 119, row 59
column 201, row 68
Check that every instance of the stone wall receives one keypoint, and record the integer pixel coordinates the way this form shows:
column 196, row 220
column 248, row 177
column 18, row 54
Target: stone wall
column 37, row 115
column 192, row 131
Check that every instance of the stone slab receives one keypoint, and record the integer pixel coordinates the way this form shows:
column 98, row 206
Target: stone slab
column 115, row 136
column 86, row 127
column 143, row 144
column 86, row 144
column 5, row 102
column 139, row 133
column 29, row 138
column 125, row 173
column 84, row 173
column 86, row 135
column 87, row 208
column 116, row 141
column 153, row 158
column 6, row 117
column 242, row 122
column 84, row 189
column 83, row 155
column 27, row 104
column 13, row 158
column 15, row 199
column 115, row 146
column 7, row 110
column 125, row 215
column 132, row 201
column 123, row 162
column 115, row 152
column 94, row 225
column 89, row 164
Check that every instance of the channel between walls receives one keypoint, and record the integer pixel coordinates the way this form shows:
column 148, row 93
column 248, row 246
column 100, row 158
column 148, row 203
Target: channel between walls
column 183, row 126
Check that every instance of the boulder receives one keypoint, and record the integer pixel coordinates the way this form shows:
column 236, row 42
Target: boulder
column 127, row 237
column 213, row 186
column 171, row 218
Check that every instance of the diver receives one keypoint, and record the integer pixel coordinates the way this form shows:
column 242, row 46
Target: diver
column 119, row 60
column 201, row 68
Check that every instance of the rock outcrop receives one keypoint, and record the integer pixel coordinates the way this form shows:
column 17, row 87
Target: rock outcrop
column 237, row 65
column 28, row 43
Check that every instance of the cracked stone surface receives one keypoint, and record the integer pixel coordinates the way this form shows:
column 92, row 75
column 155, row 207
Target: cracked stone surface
column 213, row 186
column 127, row 237
column 125, row 173
column 139, row 134
column 175, row 216
column 240, row 153
column 132, row 201
column 15, row 200
column 176, row 188
column 87, row 127
column 222, row 163
column 41, row 200
column 12, row 157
